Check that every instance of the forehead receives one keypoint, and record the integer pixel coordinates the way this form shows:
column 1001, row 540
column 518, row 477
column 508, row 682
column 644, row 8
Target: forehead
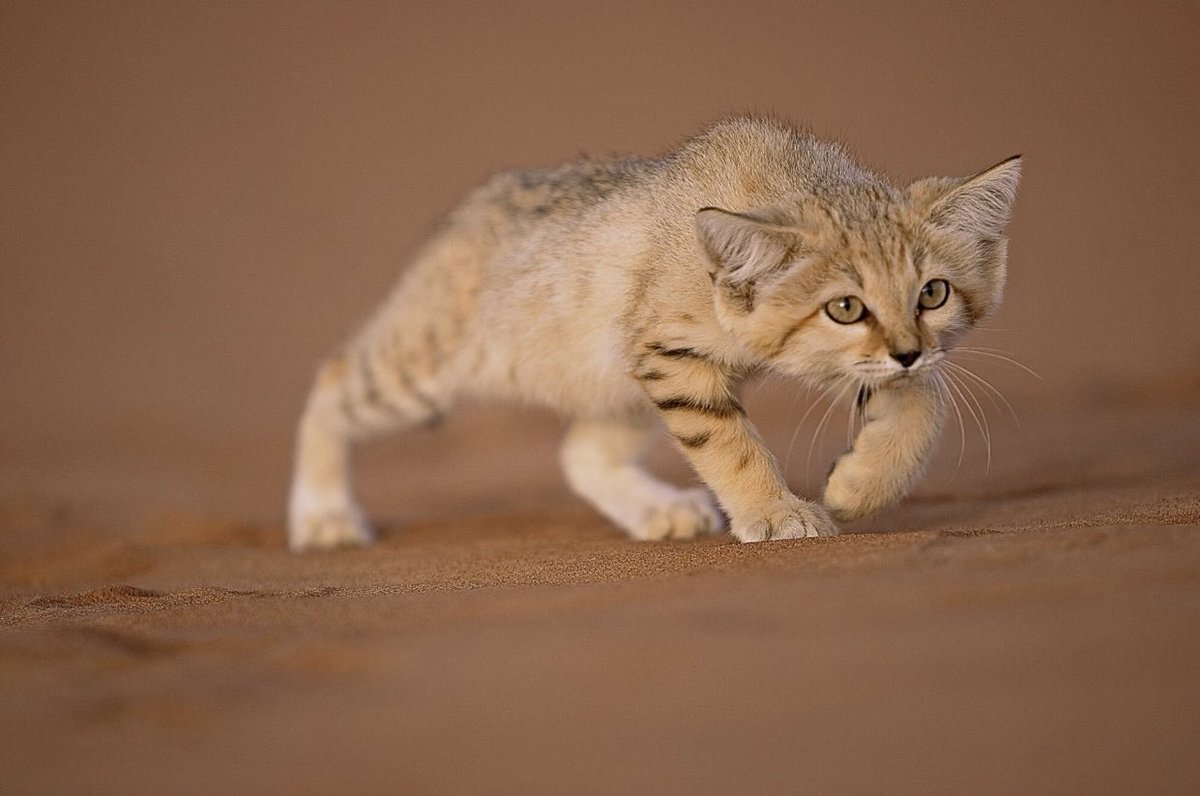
column 877, row 254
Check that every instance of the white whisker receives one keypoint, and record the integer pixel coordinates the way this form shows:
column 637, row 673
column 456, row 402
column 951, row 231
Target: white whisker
column 820, row 425
column 962, row 429
column 989, row 388
column 769, row 379
column 982, row 415
column 852, row 416
column 987, row 352
column 821, row 396
column 980, row 420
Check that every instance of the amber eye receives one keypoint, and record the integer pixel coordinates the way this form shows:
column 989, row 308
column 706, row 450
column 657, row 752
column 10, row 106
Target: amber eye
column 847, row 309
column 934, row 294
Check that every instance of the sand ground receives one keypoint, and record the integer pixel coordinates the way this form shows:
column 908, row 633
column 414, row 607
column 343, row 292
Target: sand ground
column 1019, row 630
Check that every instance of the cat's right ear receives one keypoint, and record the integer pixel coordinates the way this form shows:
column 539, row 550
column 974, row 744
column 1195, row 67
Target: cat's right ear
column 980, row 205
column 741, row 248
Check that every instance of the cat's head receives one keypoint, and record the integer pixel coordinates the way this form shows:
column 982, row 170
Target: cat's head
column 866, row 282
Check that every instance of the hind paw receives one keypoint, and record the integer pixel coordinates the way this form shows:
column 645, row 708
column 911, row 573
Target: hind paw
column 326, row 530
column 684, row 516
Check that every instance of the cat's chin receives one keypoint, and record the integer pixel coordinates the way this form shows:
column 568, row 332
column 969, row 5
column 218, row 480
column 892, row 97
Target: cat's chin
column 898, row 379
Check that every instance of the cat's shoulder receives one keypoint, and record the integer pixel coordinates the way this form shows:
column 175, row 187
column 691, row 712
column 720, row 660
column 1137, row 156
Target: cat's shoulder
column 749, row 138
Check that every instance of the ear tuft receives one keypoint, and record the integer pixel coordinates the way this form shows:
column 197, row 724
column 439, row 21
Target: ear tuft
column 980, row 205
column 740, row 246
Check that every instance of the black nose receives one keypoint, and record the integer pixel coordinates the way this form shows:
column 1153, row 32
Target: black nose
column 906, row 358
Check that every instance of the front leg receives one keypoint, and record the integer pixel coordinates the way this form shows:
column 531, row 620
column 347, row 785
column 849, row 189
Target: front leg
column 902, row 424
column 696, row 400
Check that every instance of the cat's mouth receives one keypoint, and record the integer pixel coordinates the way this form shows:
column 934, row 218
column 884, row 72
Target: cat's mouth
column 873, row 373
column 877, row 371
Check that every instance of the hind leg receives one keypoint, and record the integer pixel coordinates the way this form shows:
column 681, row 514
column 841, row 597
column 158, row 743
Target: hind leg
column 600, row 460
column 364, row 392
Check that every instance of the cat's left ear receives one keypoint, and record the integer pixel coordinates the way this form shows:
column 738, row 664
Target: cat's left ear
column 980, row 205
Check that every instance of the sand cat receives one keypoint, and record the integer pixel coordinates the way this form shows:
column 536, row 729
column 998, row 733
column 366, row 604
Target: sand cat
column 631, row 294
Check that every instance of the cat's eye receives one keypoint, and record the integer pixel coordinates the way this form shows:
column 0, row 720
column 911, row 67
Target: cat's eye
column 934, row 294
column 847, row 309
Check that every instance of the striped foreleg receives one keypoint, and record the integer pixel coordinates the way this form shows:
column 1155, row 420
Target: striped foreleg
column 696, row 399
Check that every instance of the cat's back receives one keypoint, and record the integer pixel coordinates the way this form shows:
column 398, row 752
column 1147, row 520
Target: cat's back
column 741, row 160
column 747, row 161
column 529, row 197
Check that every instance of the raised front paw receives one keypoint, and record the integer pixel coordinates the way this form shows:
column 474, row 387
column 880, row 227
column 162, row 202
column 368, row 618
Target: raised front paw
column 788, row 518
column 855, row 490
column 328, row 529
column 683, row 516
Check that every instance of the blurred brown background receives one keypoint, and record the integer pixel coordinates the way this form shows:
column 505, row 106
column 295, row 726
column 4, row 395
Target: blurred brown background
column 197, row 201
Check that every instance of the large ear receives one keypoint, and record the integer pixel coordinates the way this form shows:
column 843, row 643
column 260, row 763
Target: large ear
column 979, row 205
column 742, row 247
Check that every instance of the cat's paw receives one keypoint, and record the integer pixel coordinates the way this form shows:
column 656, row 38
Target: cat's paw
column 328, row 529
column 685, row 515
column 787, row 518
column 854, row 490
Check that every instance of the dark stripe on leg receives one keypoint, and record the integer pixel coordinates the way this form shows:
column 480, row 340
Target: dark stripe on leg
column 695, row 440
column 674, row 353
column 426, row 402
column 371, row 393
column 722, row 408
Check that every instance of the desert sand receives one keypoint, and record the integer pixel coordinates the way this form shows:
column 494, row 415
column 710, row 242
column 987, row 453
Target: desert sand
column 198, row 203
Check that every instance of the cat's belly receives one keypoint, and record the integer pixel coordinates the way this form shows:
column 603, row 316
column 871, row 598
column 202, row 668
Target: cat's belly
column 580, row 376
